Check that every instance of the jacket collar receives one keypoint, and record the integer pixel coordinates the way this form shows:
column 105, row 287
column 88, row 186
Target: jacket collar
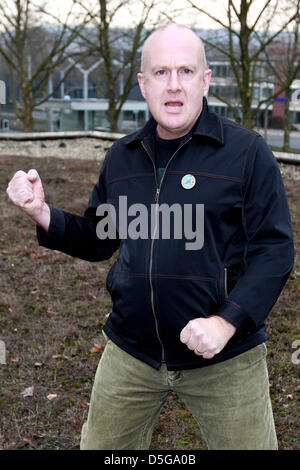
column 208, row 125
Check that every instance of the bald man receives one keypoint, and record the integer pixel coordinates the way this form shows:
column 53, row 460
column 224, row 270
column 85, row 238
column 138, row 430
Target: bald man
column 189, row 298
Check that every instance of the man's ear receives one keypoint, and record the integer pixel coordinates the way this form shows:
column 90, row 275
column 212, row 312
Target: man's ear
column 207, row 77
column 141, row 83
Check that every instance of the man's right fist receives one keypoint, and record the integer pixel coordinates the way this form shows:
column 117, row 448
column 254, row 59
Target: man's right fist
column 26, row 191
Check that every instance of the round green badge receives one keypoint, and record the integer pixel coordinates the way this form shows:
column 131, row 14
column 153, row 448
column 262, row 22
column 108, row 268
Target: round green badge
column 188, row 181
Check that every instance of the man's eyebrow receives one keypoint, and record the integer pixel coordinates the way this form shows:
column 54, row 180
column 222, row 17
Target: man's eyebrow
column 181, row 66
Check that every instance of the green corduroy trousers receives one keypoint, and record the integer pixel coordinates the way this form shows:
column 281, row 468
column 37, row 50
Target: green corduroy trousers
column 230, row 401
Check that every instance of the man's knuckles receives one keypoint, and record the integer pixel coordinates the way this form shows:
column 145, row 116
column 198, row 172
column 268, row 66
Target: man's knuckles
column 19, row 174
column 20, row 191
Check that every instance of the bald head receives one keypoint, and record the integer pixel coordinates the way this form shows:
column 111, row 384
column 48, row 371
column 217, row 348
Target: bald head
column 174, row 79
column 166, row 35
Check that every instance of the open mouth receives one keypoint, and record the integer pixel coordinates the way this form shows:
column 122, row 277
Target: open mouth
column 174, row 104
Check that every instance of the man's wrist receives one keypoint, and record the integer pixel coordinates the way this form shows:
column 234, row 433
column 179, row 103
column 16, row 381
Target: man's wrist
column 229, row 328
column 43, row 218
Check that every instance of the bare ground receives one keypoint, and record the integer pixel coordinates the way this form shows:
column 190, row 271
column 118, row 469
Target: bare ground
column 52, row 308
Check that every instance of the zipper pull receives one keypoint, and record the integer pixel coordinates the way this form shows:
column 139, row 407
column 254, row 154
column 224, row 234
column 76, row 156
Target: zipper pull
column 156, row 195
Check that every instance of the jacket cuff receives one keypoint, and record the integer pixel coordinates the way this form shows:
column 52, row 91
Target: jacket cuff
column 56, row 229
column 235, row 315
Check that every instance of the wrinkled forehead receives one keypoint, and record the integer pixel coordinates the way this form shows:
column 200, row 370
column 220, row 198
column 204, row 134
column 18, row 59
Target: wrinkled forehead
column 172, row 47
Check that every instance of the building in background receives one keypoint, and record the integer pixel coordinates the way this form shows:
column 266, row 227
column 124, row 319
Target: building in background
column 78, row 104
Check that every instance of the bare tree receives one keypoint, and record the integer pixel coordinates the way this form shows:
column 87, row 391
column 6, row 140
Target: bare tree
column 118, row 47
column 250, row 27
column 283, row 59
column 32, row 51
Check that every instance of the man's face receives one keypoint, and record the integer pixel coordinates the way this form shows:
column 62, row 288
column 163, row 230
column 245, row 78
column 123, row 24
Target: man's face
column 173, row 80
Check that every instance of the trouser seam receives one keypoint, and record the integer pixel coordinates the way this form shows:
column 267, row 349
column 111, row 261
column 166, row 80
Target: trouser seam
column 143, row 433
column 149, row 420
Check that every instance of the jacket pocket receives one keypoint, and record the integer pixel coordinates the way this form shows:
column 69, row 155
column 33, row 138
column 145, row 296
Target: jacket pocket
column 223, row 284
column 110, row 276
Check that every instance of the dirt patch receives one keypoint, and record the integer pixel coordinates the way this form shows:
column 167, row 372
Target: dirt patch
column 52, row 308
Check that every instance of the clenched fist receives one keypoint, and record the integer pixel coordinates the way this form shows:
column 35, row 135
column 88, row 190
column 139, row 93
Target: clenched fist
column 26, row 191
column 207, row 336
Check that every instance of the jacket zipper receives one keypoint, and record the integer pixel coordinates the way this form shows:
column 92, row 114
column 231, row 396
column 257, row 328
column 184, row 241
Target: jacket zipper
column 158, row 187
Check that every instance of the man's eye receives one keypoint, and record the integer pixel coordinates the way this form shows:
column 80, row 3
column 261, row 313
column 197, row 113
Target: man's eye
column 160, row 72
column 187, row 71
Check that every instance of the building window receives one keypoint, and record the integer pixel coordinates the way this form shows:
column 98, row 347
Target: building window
column 256, row 93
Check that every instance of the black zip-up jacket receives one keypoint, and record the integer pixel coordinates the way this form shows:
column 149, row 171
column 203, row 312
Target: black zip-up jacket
column 156, row 284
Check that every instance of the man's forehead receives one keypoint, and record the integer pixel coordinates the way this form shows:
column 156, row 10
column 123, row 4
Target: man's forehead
column 173, row 44
column 167, row 48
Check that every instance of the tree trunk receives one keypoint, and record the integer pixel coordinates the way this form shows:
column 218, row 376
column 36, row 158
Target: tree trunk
column 266, row 122
column 26, row 103
column 287, row 122
column 28, row 120
column 114, row 126
column 247, row 114
column 246, row 98
column 113, row 115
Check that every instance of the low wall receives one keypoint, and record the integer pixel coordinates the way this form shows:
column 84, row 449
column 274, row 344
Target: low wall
column 105, row 137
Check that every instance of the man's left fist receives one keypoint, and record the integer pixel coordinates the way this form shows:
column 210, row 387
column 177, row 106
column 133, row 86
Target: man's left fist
column 207, row 336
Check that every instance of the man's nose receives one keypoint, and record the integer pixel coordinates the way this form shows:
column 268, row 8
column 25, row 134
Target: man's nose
column 174, row 83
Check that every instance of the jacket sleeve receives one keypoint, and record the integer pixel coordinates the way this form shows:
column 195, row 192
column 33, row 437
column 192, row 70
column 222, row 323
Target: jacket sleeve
column 269, row 254
column 76, row 235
